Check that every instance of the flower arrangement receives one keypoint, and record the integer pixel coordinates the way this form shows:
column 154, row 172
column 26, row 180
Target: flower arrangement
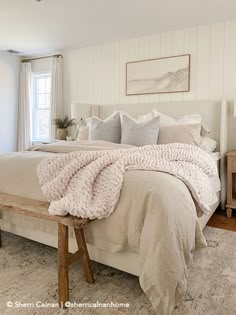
column 63, row 123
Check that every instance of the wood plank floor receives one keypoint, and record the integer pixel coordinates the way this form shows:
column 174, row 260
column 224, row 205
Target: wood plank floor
column 220, row 221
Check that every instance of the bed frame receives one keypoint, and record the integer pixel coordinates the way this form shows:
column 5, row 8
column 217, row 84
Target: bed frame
column 214, row 116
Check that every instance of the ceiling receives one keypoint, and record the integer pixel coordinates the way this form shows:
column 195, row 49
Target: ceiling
column 33, row 27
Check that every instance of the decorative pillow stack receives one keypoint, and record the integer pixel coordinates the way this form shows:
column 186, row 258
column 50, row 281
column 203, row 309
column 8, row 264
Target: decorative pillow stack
column 152, row 128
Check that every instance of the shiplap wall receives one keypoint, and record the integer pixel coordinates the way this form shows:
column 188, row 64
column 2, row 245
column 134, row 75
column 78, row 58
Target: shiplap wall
column 97, row 74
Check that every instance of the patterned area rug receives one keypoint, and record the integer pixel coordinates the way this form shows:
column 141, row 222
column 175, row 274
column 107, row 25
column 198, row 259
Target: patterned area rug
column 28, row 275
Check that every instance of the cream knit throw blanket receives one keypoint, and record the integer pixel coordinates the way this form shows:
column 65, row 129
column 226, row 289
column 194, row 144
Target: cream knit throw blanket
column 87, row 184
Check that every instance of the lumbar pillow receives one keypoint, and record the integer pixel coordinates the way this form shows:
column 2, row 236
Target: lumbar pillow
column 189, row 134
column 139, row 133
column 107, row 130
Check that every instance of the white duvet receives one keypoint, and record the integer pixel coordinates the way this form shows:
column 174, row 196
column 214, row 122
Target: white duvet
column 154, row 217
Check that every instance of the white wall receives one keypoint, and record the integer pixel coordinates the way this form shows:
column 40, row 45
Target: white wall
column 9, row 77
column 40, row 66
column 97, row 74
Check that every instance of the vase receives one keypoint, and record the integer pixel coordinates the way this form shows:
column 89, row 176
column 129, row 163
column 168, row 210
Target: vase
column 61, row 134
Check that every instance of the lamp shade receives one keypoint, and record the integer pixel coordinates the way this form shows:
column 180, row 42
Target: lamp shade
column 80, row 111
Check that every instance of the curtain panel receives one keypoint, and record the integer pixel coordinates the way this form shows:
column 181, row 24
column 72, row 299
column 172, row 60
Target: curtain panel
column 56, row 93
column 24, row 108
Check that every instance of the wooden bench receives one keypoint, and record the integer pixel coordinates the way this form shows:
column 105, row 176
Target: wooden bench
column 39, row 209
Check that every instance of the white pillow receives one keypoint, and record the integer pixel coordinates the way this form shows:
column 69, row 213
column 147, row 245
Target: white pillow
column 139, row 133
column 190, row 119
column 165, row 120
column 193, row 119
column 107, row 130
column 208, row 144
column 141, row 118
column 148, row 116
column 83, row 133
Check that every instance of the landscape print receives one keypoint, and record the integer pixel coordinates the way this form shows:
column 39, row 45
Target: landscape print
column 163, row 75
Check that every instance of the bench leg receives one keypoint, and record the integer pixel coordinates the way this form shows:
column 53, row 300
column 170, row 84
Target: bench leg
column 63, row 272
column 228, row 212
column 0, row 232
column 0, row 237
column 80, row 239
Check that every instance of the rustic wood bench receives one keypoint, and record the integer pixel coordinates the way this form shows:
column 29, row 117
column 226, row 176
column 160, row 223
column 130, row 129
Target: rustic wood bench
column 39, row 209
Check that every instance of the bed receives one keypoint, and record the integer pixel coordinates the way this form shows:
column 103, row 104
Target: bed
column 214, row 115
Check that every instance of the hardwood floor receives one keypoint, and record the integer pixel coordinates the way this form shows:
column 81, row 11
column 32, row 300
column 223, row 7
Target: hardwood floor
column 220, row 221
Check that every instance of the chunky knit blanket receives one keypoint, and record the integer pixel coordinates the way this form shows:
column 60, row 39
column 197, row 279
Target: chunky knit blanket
column 87, row 184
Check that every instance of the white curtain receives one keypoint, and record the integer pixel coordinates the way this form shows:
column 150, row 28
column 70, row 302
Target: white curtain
column 24, row 109
column 56, row 93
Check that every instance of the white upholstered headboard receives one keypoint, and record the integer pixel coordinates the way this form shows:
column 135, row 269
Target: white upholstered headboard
column 214, row 117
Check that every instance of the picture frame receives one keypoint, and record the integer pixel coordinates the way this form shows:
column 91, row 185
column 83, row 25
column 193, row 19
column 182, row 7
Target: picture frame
column 160, row 75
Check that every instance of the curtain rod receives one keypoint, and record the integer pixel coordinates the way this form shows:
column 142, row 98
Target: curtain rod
column 38, row 58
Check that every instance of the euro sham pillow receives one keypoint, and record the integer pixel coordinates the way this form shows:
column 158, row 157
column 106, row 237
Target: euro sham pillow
column 139, row 133
column 164, row 119
column 107, row 130
column 141, row 118
column 189, row 134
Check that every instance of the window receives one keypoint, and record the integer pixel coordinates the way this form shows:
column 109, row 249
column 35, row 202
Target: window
column 41, row 107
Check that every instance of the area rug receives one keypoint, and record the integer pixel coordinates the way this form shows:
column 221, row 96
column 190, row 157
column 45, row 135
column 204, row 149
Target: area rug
column 28, row 278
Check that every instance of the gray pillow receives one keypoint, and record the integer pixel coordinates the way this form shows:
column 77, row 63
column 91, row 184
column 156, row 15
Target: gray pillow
column 107, row 130
column 139, row 133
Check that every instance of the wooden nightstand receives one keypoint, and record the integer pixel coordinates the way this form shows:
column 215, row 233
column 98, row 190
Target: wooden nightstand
column 231, row 178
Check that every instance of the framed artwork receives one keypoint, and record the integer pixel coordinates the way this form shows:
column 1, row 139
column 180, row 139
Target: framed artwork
column 161, row 75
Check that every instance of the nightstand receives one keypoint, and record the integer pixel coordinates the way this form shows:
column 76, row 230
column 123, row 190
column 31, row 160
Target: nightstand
column 231, row 178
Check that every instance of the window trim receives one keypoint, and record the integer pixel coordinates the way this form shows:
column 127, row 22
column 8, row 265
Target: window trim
column 33, row 109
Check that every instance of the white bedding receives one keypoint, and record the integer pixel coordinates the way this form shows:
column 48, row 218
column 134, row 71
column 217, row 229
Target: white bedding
column 152, row 206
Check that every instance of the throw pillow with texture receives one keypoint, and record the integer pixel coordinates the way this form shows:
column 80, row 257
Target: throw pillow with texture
column 139, row 133
column 107, row 130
